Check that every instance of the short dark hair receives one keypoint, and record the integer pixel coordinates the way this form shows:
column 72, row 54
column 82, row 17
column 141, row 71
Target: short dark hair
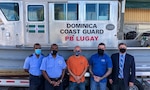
column 101, row 44
column 122, row 44
column 36, row 44
column 54, row 44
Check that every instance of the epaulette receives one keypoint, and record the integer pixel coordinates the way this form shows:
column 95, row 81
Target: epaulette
column 31, row 55
column 42, row 54
column 47, row 55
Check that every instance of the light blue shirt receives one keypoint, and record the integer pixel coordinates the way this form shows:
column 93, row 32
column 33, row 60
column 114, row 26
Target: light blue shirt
column 121, row 65
column 53, row 66
column 32, row 63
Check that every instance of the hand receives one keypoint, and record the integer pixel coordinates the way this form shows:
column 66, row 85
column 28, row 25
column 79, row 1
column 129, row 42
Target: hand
column 57, row 83
column 131, row 84
column 97, row 79
column 52, row 82
column 78, row 79
column 110, row 81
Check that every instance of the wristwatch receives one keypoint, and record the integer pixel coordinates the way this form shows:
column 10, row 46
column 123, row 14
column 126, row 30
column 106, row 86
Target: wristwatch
column 60, row 80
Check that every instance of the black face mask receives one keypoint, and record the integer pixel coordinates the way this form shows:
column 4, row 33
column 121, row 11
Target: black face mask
column 100, row 52
column 54, row 52
column 122, row 50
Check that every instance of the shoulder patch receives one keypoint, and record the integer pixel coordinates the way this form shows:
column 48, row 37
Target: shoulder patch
column 31, row 55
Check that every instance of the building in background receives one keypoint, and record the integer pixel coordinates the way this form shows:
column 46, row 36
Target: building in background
column 136, row 18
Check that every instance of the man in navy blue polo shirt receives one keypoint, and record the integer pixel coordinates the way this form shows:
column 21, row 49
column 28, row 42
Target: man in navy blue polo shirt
column 32, row 66
column 100, row 68
column 53, row 68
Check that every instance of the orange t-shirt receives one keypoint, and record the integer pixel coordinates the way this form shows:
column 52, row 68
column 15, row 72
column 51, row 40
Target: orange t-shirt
column 77, row 65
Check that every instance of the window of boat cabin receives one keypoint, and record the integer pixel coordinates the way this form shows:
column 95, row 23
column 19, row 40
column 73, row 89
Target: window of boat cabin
column 36, row 13
column 66, row 11
column 97, row 11
column 10, row 11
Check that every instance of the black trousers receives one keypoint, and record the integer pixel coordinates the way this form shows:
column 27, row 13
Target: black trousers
column 119, row 85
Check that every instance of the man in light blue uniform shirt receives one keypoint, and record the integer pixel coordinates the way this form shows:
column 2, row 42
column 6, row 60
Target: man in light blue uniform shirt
column 53, row 68
column 32, row 66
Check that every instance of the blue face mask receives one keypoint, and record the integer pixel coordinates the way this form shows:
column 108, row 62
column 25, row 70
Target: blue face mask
column 38, row 51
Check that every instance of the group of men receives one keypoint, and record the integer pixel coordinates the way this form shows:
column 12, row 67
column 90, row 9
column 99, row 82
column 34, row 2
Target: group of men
column 47, row 73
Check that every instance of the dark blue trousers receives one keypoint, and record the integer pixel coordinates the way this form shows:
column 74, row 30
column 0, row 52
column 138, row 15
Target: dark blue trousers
column 36, row 82
column 49, row 86
column 119, row 85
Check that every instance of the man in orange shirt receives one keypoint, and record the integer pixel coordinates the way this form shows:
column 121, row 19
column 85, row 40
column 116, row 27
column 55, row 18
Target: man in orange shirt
column 77, row 67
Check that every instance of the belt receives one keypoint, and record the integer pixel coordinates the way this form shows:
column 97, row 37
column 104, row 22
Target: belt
column 121, row 78
column 36, row 76
column 55, row 79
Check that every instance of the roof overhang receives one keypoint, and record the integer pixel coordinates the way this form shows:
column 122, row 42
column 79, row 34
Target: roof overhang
column 145, row 4
column 138, row 0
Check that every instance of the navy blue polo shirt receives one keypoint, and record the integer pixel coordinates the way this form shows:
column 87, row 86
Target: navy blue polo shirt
column 100, row 64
